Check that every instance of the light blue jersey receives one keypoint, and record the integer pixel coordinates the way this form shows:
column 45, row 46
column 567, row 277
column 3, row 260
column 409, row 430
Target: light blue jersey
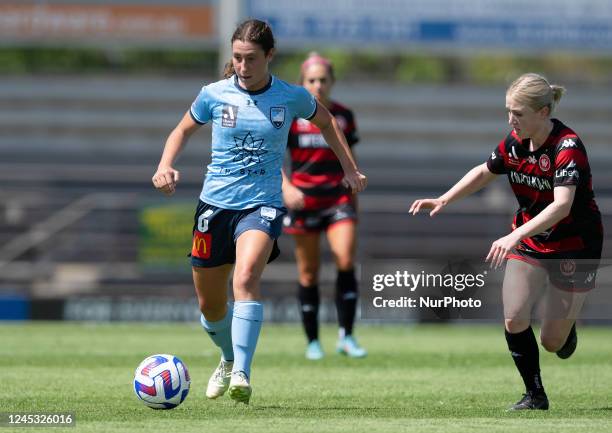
column 249, row 137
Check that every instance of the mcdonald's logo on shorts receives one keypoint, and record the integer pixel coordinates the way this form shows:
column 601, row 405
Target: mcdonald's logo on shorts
column 201, row 245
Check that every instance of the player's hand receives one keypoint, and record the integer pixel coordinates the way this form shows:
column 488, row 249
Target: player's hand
column 501, row 248
column 165, row 180
column 293, row 197
column 435, row 204
column 355, row 181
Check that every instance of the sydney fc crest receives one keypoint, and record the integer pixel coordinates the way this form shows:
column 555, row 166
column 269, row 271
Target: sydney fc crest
column 277, row 116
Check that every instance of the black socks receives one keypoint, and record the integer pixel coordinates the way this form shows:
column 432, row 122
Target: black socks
column 346, row 300
column 309, row 305
column 346, row 304
column 526, row 355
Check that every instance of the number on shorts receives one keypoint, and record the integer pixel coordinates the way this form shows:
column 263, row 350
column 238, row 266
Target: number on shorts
column 203, row 223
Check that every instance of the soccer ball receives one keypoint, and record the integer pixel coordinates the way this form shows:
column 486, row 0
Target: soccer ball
column 162, row 381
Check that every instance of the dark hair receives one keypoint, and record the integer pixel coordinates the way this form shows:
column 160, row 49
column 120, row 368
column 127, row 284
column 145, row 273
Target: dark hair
column 255, row 31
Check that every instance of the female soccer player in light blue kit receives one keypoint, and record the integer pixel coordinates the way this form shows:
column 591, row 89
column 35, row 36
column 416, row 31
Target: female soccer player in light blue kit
column 239, row 215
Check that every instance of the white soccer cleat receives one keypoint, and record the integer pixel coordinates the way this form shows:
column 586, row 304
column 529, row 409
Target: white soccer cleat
column 240, row 388
column 220, row 380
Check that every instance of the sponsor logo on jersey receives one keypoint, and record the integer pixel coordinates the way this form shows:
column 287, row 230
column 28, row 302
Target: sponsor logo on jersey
column 229, row 114
column 544, row 162
column 513, row 158
column 569, row 171
column 248, row 149
column 201, row 245
column 312, row 141
column 277, row 116
column 568, row 143
column 532, row 160
column 539, row 183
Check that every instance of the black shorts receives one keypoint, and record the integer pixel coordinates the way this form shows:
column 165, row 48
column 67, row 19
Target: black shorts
column 571, row 271
column 308, row 221
column 216, row 230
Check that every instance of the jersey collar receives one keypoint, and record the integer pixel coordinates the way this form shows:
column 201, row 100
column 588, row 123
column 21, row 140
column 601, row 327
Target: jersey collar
column 255, row 92
column 554, row 132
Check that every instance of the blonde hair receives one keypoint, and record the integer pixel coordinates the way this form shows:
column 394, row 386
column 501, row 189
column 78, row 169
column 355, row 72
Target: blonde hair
column 536, row 92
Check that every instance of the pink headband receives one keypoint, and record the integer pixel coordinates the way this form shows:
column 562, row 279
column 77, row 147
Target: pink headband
column 316, row 60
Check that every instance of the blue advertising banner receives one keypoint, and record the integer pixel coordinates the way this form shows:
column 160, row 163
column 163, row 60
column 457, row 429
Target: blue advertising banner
column 576, row 25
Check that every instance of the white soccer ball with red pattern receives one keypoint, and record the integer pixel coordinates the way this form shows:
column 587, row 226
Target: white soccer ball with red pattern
column 162, row 381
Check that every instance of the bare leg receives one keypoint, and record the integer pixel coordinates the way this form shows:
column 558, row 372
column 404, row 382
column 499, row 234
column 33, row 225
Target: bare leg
column 523, row 284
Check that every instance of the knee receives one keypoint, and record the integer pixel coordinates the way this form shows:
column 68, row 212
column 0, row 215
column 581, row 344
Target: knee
column 344, row 263
column 344, row 259
column 309, row 275
column 551, row 343
column 245, row 280
column 514, row 326
column 212, row 312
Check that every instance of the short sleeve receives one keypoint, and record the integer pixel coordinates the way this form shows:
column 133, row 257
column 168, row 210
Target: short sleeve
column 200, row 108
column 495, row 163
column 570, row 163
column 304, row 104
column 350, row 132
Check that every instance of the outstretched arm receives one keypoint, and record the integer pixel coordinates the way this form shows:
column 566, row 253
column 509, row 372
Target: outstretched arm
column 337, row 142
column 474, row 180
column 166, row 177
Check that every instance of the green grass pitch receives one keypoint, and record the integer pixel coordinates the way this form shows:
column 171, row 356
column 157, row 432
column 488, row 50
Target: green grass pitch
column 453, row 378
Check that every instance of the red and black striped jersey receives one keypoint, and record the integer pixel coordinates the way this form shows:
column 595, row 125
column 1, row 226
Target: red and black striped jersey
column 561, row 160
column 315, row 169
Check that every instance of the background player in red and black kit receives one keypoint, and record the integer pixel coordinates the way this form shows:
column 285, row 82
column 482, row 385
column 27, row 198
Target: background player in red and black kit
column 557, row 232
column 318, row 201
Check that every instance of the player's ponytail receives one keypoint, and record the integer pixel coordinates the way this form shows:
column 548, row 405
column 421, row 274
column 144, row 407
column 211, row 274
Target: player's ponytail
column 535, row 91
column 557, row 93
column 228, row 70
column 255, row 31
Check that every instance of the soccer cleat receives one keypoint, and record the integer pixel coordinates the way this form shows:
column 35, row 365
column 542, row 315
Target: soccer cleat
column 239, row 387
column 348, row 346
column 314, row 350
column 220, row 380
column 531, row 401
column 570, row 344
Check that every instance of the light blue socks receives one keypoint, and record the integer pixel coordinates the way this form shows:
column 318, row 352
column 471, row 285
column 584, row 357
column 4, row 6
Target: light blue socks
column 221, row 332
column 248, row 317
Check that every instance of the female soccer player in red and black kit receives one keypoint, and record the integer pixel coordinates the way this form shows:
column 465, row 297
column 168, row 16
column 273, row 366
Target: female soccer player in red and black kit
column 317, row 202
column 557, row 232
